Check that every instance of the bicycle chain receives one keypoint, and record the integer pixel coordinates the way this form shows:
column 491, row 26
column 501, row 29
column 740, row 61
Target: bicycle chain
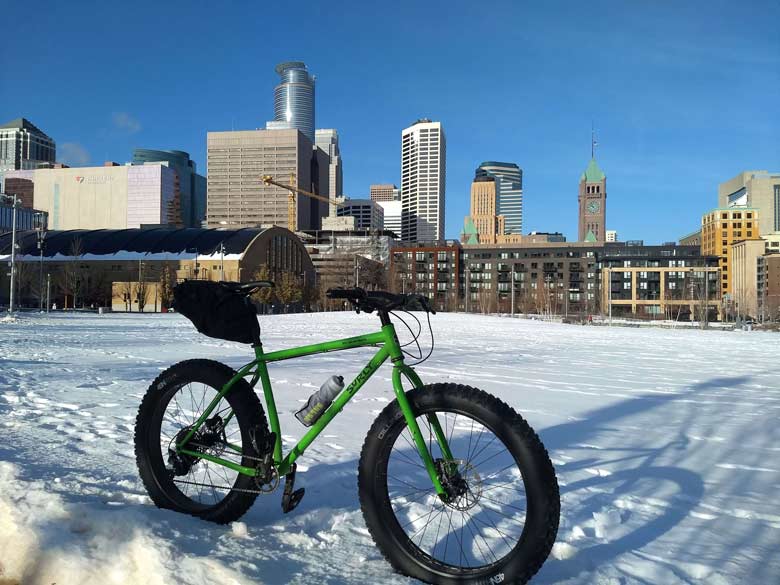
column 274, row 483
column 231, row 489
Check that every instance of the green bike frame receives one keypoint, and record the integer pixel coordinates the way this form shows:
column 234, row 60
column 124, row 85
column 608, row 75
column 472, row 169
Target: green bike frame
column 389, row 347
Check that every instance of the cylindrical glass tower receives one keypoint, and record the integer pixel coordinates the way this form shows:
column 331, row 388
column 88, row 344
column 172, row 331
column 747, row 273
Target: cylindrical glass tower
column 294, row 97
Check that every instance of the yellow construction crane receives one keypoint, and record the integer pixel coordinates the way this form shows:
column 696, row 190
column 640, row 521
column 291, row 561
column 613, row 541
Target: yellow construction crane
column 292, row 207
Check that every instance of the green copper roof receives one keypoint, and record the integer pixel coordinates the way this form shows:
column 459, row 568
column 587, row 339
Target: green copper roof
column 593, row 173
column 591, row 237
column 469, row 235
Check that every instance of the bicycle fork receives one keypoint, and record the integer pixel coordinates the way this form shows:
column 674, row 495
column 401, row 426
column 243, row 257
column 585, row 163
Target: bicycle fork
column 414, row 428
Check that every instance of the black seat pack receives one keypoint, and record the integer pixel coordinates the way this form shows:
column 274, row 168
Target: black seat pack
column 217, row 311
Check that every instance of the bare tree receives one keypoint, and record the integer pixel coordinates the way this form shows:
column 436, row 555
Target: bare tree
column 167, row 283
column 71, row 279
column 142, row 294
column 126, row 290
column 264, row 296
column 288, row 290
column 486, row 300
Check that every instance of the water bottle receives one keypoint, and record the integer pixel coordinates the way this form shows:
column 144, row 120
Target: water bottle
column 320, row 401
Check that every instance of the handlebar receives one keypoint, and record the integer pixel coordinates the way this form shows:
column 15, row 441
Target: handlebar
column 380, row 300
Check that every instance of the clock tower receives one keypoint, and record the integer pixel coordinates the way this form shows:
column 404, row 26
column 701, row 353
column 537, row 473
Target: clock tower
column 593, row 204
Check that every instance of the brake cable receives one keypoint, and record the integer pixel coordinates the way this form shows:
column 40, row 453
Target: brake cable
column 415, row 338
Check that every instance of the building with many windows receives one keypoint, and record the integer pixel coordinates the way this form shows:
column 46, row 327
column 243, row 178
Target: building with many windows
column 768, row 287
column 384, row 192
column 720, row 228
column 508, row 179
column 560, row 278
column 368, row 214
column 423, row 173
column 667, row 281
column 24, row 146
column 486, row 224
column 237, row 161
column 759, row 190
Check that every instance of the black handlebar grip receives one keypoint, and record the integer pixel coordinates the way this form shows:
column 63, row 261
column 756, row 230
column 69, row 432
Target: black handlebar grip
column 345, row 293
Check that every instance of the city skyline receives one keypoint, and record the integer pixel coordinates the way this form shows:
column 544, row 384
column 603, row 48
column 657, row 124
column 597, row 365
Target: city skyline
column 657, row 82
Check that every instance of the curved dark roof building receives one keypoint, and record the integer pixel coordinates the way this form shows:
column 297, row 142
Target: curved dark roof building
column 140, row 241
column 276, row 247
column 111, row 256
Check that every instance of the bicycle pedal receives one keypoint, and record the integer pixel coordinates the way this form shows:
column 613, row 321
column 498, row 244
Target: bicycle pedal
column 290, row 498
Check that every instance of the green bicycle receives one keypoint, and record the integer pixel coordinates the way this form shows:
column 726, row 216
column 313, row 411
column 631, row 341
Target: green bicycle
column 454, row 485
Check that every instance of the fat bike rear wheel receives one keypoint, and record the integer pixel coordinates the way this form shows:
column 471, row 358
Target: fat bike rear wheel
column 234, row 431
column 500, row 518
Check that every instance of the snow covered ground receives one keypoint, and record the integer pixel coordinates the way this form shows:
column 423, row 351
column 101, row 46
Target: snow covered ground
column 666, row 444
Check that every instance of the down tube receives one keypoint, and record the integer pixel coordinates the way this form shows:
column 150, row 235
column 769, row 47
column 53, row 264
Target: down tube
column 345, row 396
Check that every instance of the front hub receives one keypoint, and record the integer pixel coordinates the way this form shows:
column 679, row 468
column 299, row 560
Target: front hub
column 460, row 481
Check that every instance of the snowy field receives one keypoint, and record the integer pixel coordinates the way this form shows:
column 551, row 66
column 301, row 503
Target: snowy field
column 666, row 445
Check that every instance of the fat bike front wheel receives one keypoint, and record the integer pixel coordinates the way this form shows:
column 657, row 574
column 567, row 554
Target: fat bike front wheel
column 500, row 519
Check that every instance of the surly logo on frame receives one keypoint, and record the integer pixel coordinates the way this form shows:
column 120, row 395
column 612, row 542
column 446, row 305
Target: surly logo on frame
column 364, row 375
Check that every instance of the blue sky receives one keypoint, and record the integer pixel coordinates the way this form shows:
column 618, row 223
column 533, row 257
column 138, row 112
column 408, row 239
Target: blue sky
column 683, row 95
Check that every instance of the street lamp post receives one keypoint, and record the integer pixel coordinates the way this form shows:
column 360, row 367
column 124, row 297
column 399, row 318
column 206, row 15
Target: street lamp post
column 222, row 261
column 512, row 289
column 609, row 283
column 468, row 288
column 13, row 253
column 41, row 238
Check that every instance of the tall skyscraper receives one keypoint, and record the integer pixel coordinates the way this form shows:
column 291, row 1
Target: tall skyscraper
column 509, row 193
column 238, row 160
column 484, row 217
column 24, row 146
column 327, row 140
column 423, row 173
column 191, row 184
column 593, row 204
column 294, row 99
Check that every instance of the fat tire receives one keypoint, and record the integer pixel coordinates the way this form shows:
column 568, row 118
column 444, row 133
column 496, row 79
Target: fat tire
column 151, row 467
column 541, row 485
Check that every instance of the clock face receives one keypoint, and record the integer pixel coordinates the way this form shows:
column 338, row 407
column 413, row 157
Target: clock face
column 593, row 206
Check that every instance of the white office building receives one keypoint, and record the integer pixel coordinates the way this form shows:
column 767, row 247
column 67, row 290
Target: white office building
column 423, row 171
column 392, row 211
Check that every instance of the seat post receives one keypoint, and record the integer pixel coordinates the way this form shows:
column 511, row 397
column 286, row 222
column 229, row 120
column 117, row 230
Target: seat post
column 384, row 317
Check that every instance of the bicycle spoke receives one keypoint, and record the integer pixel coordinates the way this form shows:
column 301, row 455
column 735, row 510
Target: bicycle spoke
column 490, row 527
column 204, row 481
